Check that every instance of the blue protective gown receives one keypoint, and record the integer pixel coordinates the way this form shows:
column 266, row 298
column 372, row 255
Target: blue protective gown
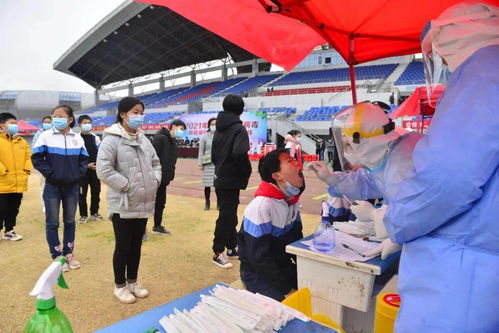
column 446, row 211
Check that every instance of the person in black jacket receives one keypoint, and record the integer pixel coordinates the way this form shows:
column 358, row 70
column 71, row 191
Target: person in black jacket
column 92, row 143
column 166, row 147
column 229, row 153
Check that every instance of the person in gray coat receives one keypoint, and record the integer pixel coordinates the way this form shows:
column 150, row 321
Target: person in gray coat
column 205, row 163
column 127, row 163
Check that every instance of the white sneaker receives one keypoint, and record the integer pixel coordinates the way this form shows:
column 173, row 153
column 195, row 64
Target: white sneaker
column 12, row 235
column 65, row 267
column 124, row 295
column 222, row 261
column 137, row 290
column 73, row 263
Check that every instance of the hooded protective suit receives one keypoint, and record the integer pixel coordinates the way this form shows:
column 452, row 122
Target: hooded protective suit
column 445, row 207
column 447, row 212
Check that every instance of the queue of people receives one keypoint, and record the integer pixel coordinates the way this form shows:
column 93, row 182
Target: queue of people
column 439, row 189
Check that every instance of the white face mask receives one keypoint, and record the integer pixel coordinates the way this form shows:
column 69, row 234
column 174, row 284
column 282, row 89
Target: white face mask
column 290, row 190
column 371, row 152
column 353, row 158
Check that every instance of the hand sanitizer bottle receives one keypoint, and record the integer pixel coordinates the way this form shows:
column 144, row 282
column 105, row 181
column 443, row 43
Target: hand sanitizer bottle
column 324, row 237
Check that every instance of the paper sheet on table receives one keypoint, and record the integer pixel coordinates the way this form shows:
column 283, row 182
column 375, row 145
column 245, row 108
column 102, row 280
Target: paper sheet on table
column 357, row 244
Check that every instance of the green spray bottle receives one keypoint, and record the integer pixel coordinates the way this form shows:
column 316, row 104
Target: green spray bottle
column 48, row 318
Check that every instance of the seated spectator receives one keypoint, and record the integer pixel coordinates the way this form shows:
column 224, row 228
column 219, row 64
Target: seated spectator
column 270, row 222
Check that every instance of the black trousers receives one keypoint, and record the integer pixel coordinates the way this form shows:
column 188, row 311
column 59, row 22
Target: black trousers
column 159, row 206
column 128, row 234
column 91, row 180
column 207, row 193
column 225, row 229
column 9, row 208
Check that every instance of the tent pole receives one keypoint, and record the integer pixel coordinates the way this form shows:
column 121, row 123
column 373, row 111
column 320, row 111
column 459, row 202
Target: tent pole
column 351, row 61
column 352, row 84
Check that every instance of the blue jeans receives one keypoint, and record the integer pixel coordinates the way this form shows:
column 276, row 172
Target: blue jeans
column 53, row 196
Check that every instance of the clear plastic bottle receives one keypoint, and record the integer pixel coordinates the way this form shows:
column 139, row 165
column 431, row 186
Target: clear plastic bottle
column 324, row 239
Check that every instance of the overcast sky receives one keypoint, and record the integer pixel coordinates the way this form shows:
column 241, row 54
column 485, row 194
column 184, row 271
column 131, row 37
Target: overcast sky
column 35, row 33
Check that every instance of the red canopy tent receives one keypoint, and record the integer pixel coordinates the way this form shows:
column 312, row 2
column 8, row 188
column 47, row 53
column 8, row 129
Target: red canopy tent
column 285, row 31
column 25, row 128
column 418, row 103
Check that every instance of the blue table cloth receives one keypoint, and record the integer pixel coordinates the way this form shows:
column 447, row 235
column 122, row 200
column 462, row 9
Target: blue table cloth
column 143, row 321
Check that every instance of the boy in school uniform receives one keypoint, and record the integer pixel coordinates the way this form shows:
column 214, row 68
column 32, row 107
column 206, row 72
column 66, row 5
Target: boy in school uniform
column 270, row 222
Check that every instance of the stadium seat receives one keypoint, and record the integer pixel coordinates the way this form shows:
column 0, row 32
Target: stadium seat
column 412, row 75
column 336, row 75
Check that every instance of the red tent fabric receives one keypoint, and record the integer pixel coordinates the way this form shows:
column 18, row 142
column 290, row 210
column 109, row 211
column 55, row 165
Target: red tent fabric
column 278, row 39
column 417, row 102
column 360, row 30
column 24, row 126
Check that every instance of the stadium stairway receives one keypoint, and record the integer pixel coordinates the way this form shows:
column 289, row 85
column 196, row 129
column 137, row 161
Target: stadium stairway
column 269, row 84
column 282, row 126
column 220, row 92
column 389, row 82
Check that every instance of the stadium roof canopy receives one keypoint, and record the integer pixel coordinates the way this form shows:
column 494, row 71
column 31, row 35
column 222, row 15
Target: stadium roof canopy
column 138, row 39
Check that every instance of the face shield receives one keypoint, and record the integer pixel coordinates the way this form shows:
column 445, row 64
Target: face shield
column 450, row 39
column 362, row 134
column 436, row 71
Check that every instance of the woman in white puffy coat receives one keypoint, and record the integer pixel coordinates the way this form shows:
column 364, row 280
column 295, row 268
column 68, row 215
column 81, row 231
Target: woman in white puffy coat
column 127, row 163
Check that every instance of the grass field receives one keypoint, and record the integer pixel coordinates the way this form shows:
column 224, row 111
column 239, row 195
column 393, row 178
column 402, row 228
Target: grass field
column 171, row 266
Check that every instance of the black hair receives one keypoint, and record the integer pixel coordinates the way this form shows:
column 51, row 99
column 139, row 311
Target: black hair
column 46, row 117
column 6, row 116
column 69, row 113
column 269, row 164
column 209, row 123
column 294, row 132
column 233, row 103
column 385, row 107
column 177, row 122
column 125, row 105
column 83, row 117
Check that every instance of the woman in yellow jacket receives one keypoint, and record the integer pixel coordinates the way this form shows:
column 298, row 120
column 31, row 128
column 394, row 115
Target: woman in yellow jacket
column 15, row 167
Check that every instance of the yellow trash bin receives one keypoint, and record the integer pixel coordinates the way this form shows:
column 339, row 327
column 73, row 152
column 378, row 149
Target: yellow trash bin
column 301, row 300
column 387, row 308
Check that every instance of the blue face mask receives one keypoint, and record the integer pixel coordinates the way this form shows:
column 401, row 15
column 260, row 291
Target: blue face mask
column 86, row 127
column 135, row 121
column 290, row 190
column 213, row 128
column 12, row 129
column 60, row 123
column 179, row 133
column 46, row 126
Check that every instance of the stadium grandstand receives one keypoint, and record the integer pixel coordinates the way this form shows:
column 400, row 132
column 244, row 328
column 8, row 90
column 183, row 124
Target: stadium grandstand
column 31, row 105
column 175, row 67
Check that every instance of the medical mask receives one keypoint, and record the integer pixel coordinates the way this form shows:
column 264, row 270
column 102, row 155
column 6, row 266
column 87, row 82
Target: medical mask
column 213, row 128
column 12, row 129
column 135, row 121
column 179, row 133
column 46, row 126
column 290, row 190
column 60, row 123
column 353, row 158
column 298, row 140
column 86, row 127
